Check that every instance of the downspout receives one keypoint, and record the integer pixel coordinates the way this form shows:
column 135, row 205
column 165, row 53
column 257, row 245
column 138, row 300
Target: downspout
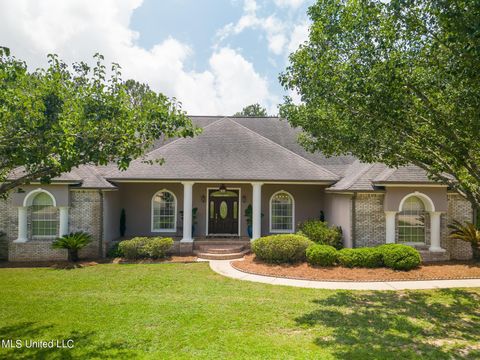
column 354, row 220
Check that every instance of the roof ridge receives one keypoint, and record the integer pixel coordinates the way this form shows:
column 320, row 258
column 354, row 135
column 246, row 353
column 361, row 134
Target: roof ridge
column 285, row 149
column 359, row 175
column 385, row 174
column 107, row 174
column 182, row 138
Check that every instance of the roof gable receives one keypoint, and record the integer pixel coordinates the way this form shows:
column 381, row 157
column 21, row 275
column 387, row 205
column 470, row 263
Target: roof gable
column 226, row 150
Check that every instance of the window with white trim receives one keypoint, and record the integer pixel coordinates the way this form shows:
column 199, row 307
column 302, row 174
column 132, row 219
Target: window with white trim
column 411, row 221
column 281, row 212
column 164, row 213
column 44, row 216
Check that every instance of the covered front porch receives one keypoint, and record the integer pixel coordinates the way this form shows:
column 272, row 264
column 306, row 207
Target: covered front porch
column 192, row 211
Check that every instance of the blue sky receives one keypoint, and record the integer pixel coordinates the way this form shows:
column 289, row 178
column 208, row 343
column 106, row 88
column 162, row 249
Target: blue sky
column 215, row 56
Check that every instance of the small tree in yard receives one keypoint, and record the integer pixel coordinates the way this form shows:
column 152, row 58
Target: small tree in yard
column 54, row 119
column 73, row 243
column 466, row 232
column 395, row 82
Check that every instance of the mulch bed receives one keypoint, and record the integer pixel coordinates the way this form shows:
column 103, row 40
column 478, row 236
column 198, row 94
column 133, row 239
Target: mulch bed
column 434, row 271
column 87, row 263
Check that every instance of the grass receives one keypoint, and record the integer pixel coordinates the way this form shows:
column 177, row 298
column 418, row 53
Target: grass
column 187, row 311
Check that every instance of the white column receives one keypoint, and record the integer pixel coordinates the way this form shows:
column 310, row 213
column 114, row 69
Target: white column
column 390, row 226
column 63, row 220
column 435, row 232
column 187, row 211
column 257, row 210
column 22, row 225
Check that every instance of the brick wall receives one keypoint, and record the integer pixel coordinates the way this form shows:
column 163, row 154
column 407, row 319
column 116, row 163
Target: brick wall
column 459, row 209
column 85, row 214
column 370, row 220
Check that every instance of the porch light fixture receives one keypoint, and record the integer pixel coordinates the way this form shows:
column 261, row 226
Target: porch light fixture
column 202, row 198
column 222, row 188
column 244, row 199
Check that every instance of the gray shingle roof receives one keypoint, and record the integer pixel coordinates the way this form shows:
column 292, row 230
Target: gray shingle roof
column 226, row 150
column 245, row 148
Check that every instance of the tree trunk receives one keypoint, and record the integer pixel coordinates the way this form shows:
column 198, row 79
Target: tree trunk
column 72, row 255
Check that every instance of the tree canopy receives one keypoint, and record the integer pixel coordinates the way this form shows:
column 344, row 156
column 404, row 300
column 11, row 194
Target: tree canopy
column 60, row 117
column 395, row 82
column 253, row 110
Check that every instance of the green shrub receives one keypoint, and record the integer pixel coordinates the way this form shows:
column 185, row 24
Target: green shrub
column 133, row 248
column 319, row 232
column 157, row 247
column 321, row 255
column 114, row 251
column 145, row 247
column 285, row 248
column 360, row 257
column 73, row 242
column 400, row 257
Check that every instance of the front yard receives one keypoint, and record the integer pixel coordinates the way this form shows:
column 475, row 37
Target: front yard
column 186, row 310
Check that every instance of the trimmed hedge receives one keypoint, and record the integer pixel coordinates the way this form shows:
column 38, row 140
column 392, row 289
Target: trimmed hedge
column 284, row 248
column 361, row 257
column 400, row 257
column 321, row 255
column 319, row 232
column 145, row 247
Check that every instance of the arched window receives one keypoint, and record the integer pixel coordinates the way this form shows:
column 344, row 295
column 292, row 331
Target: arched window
column 411, row 221
column 44, row 216
column 281, row 213
column 164, row 212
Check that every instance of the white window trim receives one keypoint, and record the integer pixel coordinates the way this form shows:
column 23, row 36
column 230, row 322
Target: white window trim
column 28, row 202
column 174, row 229
column 427, row 204
column 293, row 214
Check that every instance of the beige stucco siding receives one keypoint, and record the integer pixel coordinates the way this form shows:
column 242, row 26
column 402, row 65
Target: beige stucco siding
column 111, row 215
column 60, row 192
column 338, row 212
column 394, row 196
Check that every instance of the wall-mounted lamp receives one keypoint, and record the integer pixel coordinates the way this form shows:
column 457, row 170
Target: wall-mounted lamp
column 202, row 198
column 244, row 199
column 222, row 188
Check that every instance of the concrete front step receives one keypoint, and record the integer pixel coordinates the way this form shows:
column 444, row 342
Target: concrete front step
column 428, row 256
column 198, row 244
column 221, row 249
column 229, row 256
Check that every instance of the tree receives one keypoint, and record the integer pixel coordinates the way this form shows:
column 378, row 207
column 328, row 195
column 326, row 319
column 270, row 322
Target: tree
column 253, row 110
column 54, row 119
column 396, row 82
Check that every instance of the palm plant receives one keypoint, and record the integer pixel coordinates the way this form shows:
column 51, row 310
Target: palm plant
column 466, row 232
column 72, row 242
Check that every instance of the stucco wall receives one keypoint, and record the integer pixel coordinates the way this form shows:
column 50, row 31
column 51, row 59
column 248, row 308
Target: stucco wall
column 111, row 215
column 136, row 199
column 394, row 196
column 60, row 192
column 338, row 212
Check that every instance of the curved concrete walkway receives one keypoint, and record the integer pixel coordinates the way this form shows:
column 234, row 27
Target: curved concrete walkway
column 223, row 267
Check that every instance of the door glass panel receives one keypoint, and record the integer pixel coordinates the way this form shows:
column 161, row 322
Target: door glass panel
column 211, row 209
column 235, row 210
column 223, row 209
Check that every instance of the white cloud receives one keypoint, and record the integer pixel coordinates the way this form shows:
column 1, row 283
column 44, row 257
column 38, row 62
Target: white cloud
column 76, row 29
column 298, row 36
column 289, row 3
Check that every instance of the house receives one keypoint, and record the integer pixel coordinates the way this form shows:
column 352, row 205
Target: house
column 207, row 182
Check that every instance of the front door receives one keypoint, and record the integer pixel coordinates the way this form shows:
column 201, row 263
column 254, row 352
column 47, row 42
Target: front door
column 223, row 212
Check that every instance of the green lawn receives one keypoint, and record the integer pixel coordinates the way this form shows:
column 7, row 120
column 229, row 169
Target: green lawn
column 186, row 310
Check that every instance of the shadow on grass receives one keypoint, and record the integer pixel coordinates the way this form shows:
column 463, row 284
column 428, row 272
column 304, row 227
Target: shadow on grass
column 399, row 325
column 86, row 344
